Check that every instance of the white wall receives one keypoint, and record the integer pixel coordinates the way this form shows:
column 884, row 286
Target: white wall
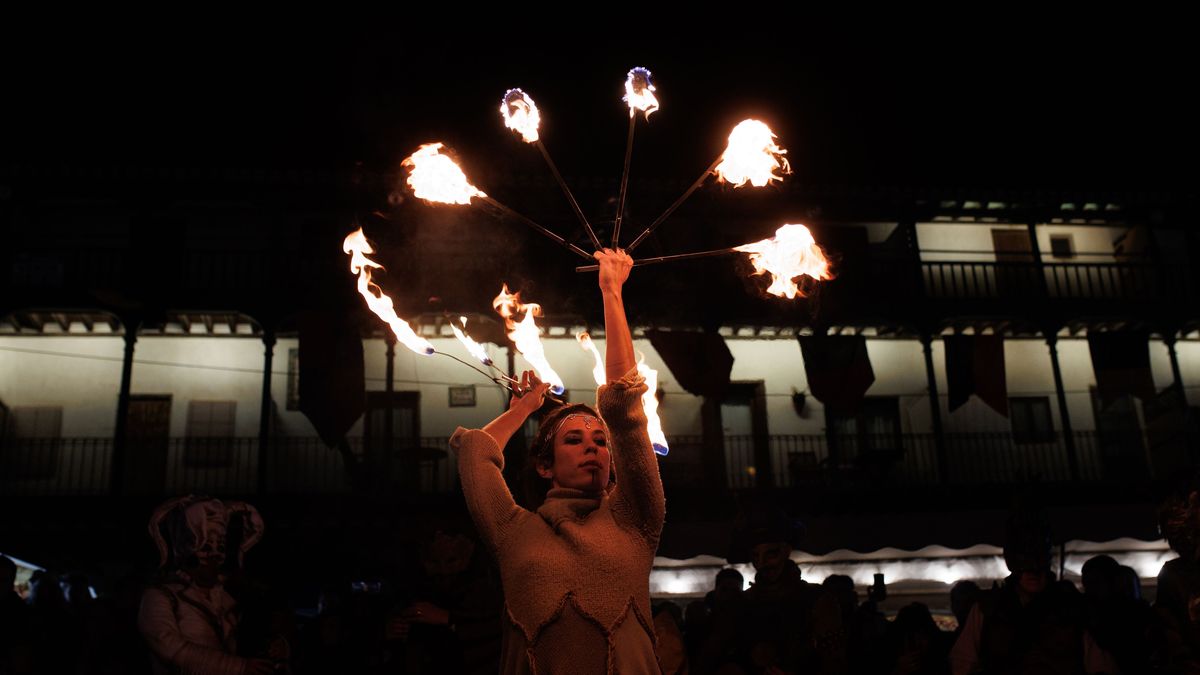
column 1090, row 243
column 1188, row 354
column 1075, row 360
column 974, row 240
column 80, row 373
column 1027, row 373
column 778, row 364
column 202, row 368
column 878, row 232
column 289, row 422
column 432, row 375
column 899, row 367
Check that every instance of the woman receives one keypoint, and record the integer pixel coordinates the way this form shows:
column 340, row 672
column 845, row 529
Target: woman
column 576, row 572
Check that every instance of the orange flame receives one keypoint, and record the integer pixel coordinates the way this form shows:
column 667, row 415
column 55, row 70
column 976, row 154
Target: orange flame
column 752, row 156
column 639, row 92
column 472, row 346
column 525, row 335
column 586, row 344
column 649, row 400
column 521, row 114
column 791, row 253
column 357, row 247
column 650, row 406
column 435, row 177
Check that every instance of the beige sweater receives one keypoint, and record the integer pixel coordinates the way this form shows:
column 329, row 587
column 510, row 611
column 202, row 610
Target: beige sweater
column 576, row 573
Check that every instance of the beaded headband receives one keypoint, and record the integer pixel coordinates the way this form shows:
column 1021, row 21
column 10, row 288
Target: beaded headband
column 587, row 424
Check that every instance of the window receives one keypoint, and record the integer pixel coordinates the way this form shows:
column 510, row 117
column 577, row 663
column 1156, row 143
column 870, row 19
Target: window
column 1013, row 276
column 874, row 430
column 1061, row 246
column 746, row 436
column 1119, row 439
column 32, row 447
column 293, row 379
column 397, row 415
column 1030, row 418
column 209, row 434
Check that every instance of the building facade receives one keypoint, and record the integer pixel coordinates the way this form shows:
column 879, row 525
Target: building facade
column 156, row 352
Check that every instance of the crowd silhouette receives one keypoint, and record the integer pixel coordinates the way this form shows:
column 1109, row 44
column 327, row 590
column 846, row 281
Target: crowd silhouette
column 442, row 610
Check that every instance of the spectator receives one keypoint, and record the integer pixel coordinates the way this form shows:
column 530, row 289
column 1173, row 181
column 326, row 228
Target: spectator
column 1030, row 625
column 451, row 620
column 187, row 617
column 963, row 597
column 916, row 646
column 785, row 623
column 672, row 654
column 16, row 654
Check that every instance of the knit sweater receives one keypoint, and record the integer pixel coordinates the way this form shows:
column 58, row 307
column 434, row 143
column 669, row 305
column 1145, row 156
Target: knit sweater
column 576, row 573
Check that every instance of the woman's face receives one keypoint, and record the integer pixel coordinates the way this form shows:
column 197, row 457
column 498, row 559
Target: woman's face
column 581, row 458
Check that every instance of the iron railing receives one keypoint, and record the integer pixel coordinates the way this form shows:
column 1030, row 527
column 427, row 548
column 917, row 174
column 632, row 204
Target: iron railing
column 294, row 465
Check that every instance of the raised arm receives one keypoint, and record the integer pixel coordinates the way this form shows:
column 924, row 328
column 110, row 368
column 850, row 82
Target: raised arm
column 614, row 270
column 481, row 463
column 638, row 497
column 520, row 408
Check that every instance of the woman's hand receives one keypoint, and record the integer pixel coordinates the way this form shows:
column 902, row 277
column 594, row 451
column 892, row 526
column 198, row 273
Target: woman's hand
column 532, row 394
column 528, row 396
column 614, row 268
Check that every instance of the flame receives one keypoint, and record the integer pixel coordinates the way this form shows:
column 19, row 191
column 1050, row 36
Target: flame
column 435, row 177
column 520, row 114
column 752, row 156
column 472, row 346
column 586, row 344
column 650, row 405
column 791, row 253
column 525, row 336
column 356, row 245
column 649, row 401
column 639, row 92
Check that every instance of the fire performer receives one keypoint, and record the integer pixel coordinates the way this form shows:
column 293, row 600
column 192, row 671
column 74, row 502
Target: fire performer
column 576, row 571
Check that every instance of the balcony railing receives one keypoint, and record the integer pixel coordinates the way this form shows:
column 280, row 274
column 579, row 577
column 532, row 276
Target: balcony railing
column 229, row 466
column 220, row 271
column 218, row 466
column 954, row 280
column 910, row 461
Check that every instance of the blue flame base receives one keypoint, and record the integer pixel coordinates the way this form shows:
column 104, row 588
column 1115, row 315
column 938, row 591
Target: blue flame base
column 661, row 450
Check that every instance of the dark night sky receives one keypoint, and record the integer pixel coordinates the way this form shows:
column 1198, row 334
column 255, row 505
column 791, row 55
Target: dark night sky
column 1068, row 106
